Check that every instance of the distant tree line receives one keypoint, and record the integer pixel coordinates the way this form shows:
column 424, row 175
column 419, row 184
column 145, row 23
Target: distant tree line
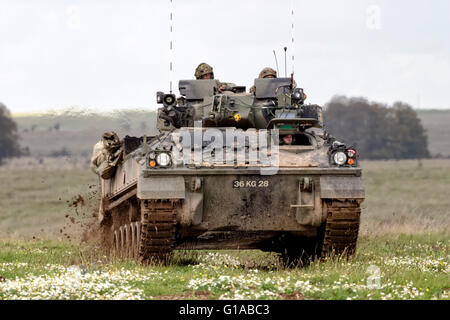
column 9, row 145
column 377, row 131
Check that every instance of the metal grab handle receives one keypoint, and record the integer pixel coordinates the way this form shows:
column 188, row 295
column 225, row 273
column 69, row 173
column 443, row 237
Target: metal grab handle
column 306, row 185
column 302, row 206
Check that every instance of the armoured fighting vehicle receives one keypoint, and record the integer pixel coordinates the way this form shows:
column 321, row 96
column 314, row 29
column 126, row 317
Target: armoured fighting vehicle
column 231, row 170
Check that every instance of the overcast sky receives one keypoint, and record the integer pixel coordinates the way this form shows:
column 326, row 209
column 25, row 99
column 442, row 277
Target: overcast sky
column 107, row 54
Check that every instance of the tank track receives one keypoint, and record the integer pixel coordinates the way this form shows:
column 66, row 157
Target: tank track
column 341, row 228
column 151, row 238
column 158, row 229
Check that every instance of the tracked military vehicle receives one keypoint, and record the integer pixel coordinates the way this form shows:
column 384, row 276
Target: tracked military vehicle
column 232, row 170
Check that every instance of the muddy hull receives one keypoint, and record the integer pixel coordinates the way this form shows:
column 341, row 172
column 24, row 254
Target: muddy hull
column 287, row 201
column 233, row 209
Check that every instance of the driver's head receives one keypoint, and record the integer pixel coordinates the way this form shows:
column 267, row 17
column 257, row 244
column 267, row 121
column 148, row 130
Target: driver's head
column 287, row 139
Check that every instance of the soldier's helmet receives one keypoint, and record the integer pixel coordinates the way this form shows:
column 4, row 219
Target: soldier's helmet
column 111, row 140
column 202, row 69
column 267, row 72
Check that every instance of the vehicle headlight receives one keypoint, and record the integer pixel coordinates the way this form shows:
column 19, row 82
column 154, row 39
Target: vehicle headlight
column 163, row 159
column 340, row 158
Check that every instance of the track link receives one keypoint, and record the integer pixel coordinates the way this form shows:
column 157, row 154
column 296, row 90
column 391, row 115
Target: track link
column 158, row 229
column 341, row 228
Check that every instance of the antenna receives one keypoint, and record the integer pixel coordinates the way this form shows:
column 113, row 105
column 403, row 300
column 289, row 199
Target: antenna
column 285, row 67
column 292, row 36
column 171, row 46
column 276, row 61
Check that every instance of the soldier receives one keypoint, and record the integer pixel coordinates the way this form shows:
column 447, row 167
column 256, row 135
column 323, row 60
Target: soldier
column 265, row 73
column 204, row 72
column 268, row 73
column 106, row 154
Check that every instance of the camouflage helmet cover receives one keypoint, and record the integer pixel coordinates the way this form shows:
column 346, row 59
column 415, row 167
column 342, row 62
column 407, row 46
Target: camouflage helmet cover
column 267, row 72
column 110, row 140
column 202, row 69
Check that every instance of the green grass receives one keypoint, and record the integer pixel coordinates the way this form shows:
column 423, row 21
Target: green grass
column 409, row 267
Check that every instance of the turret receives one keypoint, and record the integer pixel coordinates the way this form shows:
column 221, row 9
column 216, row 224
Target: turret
column 276, row 103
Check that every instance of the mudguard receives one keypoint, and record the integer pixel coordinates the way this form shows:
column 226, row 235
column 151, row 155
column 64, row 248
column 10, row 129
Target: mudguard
column 341, row 187
column 160, row 188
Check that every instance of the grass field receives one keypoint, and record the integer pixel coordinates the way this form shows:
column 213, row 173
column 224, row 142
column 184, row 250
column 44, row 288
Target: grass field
column 36, row 202
column 403, row 250
column 408, row 196
column 438, row 131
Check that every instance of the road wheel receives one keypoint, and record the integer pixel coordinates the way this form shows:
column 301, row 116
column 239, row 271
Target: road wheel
column 133, row 245
column 128, row 248
column 116, row 243
column 122, row 242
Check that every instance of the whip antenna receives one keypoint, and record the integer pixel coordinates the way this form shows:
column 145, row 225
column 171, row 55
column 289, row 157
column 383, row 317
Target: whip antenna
column 171, row 46
column 292, row 35
column 276, row 61
column 285, row 67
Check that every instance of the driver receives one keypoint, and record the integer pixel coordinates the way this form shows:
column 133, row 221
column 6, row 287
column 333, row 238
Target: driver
column 287, row 139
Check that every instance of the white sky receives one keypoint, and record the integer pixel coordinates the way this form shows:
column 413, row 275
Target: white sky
column 107, row 54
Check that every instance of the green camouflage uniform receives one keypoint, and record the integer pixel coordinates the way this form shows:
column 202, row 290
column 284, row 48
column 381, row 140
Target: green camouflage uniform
column 106, row 154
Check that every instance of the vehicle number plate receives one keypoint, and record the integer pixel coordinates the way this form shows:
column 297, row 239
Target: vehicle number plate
column 250, row 183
